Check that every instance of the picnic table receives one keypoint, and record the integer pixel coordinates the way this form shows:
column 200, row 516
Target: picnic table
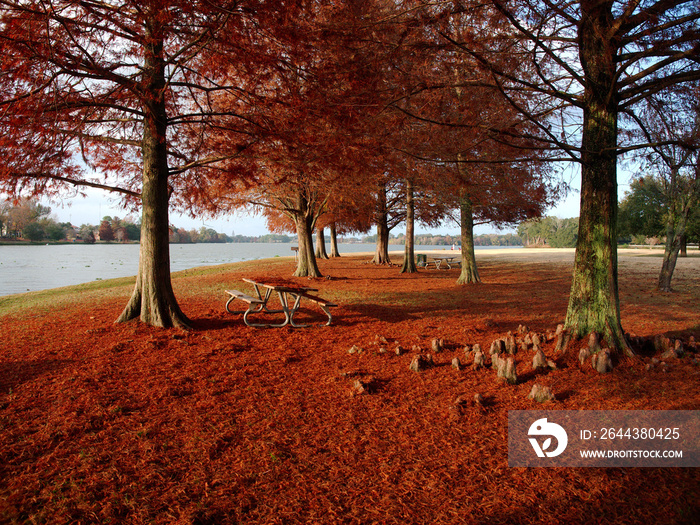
column 290, row 298
column 438, row 260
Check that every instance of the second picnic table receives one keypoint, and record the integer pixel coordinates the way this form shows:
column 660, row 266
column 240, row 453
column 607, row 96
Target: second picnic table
column 264, row 291
column 439, row 259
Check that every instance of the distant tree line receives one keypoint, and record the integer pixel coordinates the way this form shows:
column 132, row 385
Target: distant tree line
column 28, row 220
column 270, row 237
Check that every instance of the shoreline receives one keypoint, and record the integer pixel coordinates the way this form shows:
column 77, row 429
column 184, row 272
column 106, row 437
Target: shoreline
column 635, row 259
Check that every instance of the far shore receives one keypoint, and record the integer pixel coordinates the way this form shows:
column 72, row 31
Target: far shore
column 550, row 254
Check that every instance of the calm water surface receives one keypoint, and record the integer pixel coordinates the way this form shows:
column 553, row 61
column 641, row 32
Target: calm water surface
column 31, row 268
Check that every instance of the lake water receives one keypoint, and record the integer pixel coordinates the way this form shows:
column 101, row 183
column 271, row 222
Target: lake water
column 38, row 267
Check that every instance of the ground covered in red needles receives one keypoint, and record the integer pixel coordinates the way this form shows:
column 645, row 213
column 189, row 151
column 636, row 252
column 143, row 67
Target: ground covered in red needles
column 105, row 423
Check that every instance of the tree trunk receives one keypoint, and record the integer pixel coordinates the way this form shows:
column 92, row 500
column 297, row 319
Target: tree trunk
column 153, row 299
column 321, row 244
column 409, row 258
column 675, row 233
column 669, row 264
column 684, row 246
column 306, row 260
column 469, row 274
column 594, row 300
column 334, row 241
column 381, row 255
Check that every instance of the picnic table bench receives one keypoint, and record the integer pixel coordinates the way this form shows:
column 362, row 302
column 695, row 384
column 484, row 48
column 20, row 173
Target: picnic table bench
column 259, row 304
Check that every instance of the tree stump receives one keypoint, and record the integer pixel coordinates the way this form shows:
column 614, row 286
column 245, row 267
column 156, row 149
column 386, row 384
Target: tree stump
column 497, row 348
column 380, row 340
column 467, row 352
column 421, row 362
column 479, row 358
column 662, row 344
column 676, row 351
column 507, row 370
column 541, row 393
column 511, row 345
column 602, row 362
column 363, row 386
column 563, row 337
column 584, row 355
column 539, row 360
column 437, row 345
column 358, row 388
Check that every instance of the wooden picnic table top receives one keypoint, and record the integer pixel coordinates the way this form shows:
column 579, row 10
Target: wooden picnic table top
column 281, row 287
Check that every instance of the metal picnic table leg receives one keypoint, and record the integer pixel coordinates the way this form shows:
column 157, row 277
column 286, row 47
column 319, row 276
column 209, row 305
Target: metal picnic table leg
column 294, row 309
column 264, row 307
column 285, row 309
column 297, row 300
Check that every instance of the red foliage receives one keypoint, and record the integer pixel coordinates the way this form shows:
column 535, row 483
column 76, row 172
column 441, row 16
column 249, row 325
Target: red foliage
column 229, row 424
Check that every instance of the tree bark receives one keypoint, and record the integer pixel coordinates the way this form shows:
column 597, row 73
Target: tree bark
column 334, row 241
column 409, row 258
column 381, row 255
column 153, row 299
column 321, row 252
column 675, row 233
column 594, row 304
column 304, row 219
column 684, row 246
column 469, row 273
column 668, row 266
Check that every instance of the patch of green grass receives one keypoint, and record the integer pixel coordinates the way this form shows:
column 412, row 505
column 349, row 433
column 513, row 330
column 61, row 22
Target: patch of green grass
column 45, row 300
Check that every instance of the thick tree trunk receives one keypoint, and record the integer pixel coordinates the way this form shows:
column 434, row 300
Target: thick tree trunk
column 594, row 300
column 381, row 255
column 684, row 246
column 153, row 300
column 334, row 241
column 409, row 258
column 469, row 273
column 321, row 252
column 306, row 260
